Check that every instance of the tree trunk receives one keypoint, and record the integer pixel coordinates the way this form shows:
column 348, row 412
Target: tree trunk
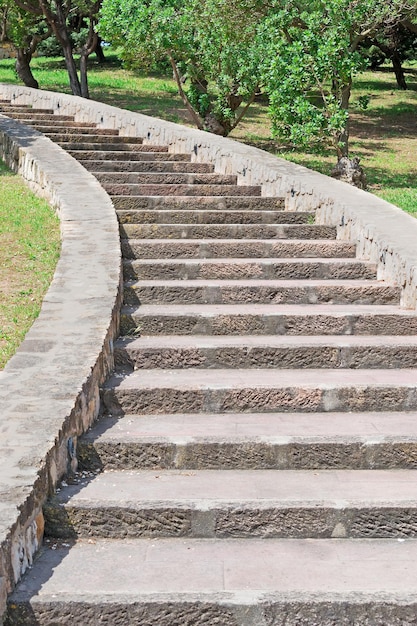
column 83, row 76
column 23, row 59
column 71, row 67
column 343, row 139
column 398, row 71
column 99, row 51
column 57, row 21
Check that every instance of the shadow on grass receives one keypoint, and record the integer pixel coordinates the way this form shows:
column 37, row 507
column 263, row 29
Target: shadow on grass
column 383, row 178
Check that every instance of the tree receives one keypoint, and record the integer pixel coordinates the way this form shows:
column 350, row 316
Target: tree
column 210, row 45
column 24, row 31
column 312, row 57
column 56, row 14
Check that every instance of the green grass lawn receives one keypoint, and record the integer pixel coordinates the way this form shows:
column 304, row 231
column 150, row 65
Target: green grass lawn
column 384, row 136
column 29, row 250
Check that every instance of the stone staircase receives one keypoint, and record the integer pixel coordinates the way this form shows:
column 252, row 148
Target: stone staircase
column 255, row 461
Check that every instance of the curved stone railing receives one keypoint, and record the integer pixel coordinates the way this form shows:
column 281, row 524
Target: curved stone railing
column 49, row 391
column 50, row 388
column 384, row 233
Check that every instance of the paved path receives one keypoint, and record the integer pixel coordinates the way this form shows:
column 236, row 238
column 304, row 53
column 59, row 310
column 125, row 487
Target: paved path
column 255, row 460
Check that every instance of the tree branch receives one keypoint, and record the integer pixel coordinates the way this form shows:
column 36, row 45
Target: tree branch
column 196, row 118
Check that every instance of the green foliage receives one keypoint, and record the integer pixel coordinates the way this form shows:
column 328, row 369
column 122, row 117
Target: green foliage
column 311, row 58
column 210, row 44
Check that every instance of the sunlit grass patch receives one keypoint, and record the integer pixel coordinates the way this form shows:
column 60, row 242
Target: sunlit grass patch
column 29, row 250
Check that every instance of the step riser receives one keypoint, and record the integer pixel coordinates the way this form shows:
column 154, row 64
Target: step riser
column 240, row 521
column 148, row 166
column 70, row 132
column 223, row 612
column 131, row 179
column 40, row 118
column 266, row 324
column 142, row 153
column 53, row 122
column 165, row 249
column 232, row 231
column 238, row 294
column 26, row 110
column 212, row 271
column 181, row 189
column 155, row 401
column 367, row 357
column 236, row 216
column 81, row 146
column 247, row 455
column 187, row 203
column 109, row 137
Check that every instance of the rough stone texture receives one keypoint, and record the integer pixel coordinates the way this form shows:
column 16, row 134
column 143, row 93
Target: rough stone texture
column 50, row 388
column 228, row 269
column 218, row 216
column 180, row 391
column 165, row 248
column 388, row 241
column 268, row 320
column 258, row 292
column 219, row 231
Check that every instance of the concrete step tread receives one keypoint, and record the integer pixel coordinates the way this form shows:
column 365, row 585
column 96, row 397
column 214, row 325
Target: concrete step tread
column 252, row 341
column 340, row 310
column 226, row 379
column 252, row 489
column 231, row 572
column 368, row 428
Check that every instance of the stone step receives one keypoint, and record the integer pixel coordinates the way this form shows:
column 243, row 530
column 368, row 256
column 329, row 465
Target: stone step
column 237, row 503
column 264, row 390
column 290, row 441
column 182, row 189
column 52, row 122
column 221, row 248
column 268, row 319
column 78, row 149
column 76, row 131
column 257, row 291
column 33, row 117
column 330, row 351
column 229, row 582
column 244, row 268
column 107, row 139
column 141, row 153
column 227, row 231
column 130, row 180
column 147, row 166
column 200, row 203
column 26, row 110
column 218, row 216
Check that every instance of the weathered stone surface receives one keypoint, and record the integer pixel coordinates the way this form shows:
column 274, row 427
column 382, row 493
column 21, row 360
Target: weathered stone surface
column 242, row 583
column 221, row 231
column 246, row 268
column 166, row 248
